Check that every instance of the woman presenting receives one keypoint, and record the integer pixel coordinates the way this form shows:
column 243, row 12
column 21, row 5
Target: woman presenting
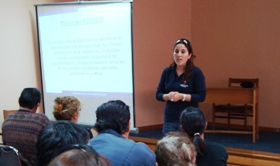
column 181, row 84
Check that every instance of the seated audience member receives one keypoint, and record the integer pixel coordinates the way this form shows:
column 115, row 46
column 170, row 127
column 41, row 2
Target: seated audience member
column 21, row 129
column 57, row 135
column 67, row 108
column 194, row 123
column 175, row 149
column 79, row 155
column 113, row 126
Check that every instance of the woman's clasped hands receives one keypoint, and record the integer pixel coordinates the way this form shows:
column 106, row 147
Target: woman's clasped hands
column 174, row 96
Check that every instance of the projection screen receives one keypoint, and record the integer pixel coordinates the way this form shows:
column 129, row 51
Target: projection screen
column 86, row 51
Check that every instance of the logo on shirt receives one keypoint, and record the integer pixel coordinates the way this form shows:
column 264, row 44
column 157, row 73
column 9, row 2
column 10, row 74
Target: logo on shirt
column 184, row 85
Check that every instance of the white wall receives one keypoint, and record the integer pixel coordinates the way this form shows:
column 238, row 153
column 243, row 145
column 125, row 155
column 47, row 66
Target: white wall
column 18, row 51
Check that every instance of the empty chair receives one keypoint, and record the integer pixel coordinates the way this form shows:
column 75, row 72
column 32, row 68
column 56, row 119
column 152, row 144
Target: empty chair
column 229, row 111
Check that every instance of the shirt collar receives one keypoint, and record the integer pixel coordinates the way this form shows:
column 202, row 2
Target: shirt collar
column 111, row 131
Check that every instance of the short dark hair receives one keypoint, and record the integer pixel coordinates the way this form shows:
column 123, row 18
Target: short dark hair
column 57, row 135
column 29, row 98
column 114, row 114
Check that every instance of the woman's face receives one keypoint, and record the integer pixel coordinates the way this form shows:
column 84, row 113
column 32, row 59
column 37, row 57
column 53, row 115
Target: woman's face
column 181, row 55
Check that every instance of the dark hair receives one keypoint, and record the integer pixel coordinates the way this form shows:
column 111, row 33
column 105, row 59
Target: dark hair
column 57, row 135
column 114, row 115
column 79, row 154
column 29, row 98
column 175, row 149
column 190, row 65
column 193, row 121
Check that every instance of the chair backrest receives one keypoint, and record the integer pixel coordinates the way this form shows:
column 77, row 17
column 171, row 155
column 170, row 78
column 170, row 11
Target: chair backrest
column 9, row 156
column 7, row 112
column 235, row 82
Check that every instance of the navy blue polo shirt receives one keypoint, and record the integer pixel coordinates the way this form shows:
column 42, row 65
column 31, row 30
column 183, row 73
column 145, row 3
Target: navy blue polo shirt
column 170, row 81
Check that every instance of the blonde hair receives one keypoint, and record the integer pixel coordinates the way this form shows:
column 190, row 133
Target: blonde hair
column 65, row 107
column 175, row 149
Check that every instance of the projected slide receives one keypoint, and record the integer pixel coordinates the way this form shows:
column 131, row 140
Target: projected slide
column 86, row 51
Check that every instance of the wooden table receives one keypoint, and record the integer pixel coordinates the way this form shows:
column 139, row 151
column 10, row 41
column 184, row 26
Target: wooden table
column 235, row 95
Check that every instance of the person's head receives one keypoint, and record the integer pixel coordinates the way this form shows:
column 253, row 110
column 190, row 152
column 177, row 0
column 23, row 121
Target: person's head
column 66, row 108
column 186, row 43
column 57, row 135
column 183, row 56
column 193, row 123
column 175, row 149
column 77, row 155
column 30, row 98
column 114, row 114
column 182, row 52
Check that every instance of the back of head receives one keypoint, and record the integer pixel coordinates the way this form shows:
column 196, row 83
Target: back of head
column 66, row 107
column 114, row 114
column 193, row 122
column 77, row 155
column 29, row 98
column 57, row 135
column 175, row 149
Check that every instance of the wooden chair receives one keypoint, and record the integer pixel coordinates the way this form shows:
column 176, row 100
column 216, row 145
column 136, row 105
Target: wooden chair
column 230, row 111
column 5, row 114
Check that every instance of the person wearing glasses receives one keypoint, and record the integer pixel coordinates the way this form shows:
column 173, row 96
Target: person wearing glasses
column 113, row 127
column 79, row 155
column 181, row 85
column 208, row 153
column 68, row 108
